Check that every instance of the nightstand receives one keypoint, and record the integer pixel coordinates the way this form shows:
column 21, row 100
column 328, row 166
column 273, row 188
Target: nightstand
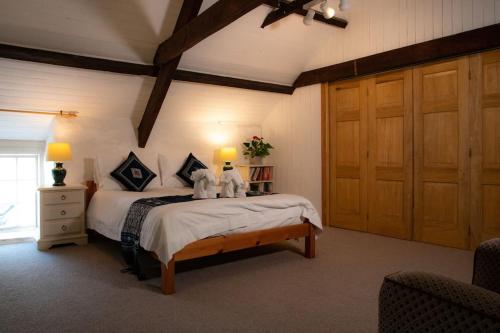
column 62, row 215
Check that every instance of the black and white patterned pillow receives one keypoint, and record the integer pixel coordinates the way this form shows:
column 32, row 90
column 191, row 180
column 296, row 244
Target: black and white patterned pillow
column 133, row 174
column 191, row 164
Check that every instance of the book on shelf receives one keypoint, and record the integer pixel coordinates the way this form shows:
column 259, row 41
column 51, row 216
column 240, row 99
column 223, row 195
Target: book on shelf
column 261, row 173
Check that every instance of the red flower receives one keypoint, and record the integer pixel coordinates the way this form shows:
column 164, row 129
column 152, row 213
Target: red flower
column 256, row 138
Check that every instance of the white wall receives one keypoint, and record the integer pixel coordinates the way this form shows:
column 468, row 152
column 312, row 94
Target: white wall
column 110, row 107
column 294, row 129
column 91, row 137
column 374, row 26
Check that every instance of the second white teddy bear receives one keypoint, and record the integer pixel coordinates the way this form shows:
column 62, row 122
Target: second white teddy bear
column 233, row 185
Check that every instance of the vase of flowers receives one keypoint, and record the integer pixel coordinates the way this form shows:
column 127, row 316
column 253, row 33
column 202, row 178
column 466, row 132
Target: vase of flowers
column 256, row 150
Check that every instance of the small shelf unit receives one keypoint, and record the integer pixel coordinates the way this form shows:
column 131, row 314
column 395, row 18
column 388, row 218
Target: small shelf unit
column 260, row 177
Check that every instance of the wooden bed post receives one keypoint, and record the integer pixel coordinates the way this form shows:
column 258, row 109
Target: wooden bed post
column 310, row 250
column 168, row 277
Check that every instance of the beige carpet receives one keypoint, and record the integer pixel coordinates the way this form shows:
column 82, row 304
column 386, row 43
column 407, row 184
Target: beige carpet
column 271, row 289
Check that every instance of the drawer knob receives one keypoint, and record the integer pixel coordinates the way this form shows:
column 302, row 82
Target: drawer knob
column 63, row 212
column 63, row 197
column 64, row 227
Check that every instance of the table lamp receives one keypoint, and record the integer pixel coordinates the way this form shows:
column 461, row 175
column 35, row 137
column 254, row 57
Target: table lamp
column 58, row 152
column 227, row 155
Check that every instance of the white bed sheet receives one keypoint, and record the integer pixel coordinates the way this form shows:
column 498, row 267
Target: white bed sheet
column 167, row 229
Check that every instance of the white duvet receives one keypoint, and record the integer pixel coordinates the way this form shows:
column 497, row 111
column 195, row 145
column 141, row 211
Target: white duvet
column 167, row 229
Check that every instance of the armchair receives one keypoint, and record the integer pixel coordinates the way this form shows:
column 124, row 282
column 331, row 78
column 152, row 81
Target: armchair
column 424, row 302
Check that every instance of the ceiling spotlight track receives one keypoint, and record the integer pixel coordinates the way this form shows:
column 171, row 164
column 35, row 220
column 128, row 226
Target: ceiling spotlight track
column 311, row 10
column 327, row 11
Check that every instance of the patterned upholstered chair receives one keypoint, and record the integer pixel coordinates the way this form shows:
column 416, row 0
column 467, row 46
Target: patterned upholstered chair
column 424, row 302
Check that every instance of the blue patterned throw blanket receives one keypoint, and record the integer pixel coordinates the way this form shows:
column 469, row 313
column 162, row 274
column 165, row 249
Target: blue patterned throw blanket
column 131, row 232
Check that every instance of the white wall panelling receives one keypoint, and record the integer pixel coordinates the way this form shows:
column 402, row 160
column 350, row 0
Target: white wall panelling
column 91, row 137
column 294, row 129
column 110, row 107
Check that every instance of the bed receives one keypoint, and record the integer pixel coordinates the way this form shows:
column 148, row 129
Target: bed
column 200, row 228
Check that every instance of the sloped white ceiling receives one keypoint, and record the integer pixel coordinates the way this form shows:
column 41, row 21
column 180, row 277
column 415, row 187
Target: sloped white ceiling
column 132, row 30
column 278, row 53
column 124, row 30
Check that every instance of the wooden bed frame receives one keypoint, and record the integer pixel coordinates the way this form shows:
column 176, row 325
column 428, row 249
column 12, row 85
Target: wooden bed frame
column 223, row 244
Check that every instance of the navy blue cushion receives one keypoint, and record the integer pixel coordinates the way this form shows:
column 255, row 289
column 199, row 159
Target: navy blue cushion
column 191, row 164
column 133, row 174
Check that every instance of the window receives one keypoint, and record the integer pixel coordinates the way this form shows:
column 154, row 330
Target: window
column 19, row 179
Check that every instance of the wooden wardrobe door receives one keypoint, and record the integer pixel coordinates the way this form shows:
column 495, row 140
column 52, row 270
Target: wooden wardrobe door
column 390, row 162
column 485, row 173
column 348, row 154
column 441, row 153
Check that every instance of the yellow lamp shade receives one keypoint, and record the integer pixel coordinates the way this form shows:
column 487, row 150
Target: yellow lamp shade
column 59, row 152
column 228, row 154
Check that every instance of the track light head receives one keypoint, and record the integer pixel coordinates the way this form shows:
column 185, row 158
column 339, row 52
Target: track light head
column 328, row 12
column 308, row 19
column 343, row 5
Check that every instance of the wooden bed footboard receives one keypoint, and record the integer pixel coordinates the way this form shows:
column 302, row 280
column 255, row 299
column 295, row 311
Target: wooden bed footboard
column 223, row 244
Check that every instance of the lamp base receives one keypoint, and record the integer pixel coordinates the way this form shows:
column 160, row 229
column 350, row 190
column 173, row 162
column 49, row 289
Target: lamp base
column 58, row 173
column 227, row 166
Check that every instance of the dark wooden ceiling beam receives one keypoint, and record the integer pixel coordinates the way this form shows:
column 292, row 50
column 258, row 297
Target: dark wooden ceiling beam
column 464, row 43
column 226, row 81
column 216, row 17
column 71, row 60
column 189, row 11
column 335, row 21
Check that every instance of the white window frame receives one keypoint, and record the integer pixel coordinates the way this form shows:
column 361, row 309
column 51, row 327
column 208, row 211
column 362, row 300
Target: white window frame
column 17, row 148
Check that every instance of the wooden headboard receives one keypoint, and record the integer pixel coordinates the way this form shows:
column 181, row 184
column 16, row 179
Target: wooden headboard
column 91, row 189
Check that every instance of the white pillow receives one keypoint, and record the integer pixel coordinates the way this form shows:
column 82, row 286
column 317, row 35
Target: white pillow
column 105, row 164
column 168, row 170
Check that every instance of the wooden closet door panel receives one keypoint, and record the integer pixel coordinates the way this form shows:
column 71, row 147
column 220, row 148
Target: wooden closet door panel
column 441, row 153
column 348, row 137
column 485, row 173
column 390, row 165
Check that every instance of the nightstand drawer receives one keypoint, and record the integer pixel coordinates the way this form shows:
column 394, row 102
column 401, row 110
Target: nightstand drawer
column 52, row 212
column 61, row 227
column 58, row 197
